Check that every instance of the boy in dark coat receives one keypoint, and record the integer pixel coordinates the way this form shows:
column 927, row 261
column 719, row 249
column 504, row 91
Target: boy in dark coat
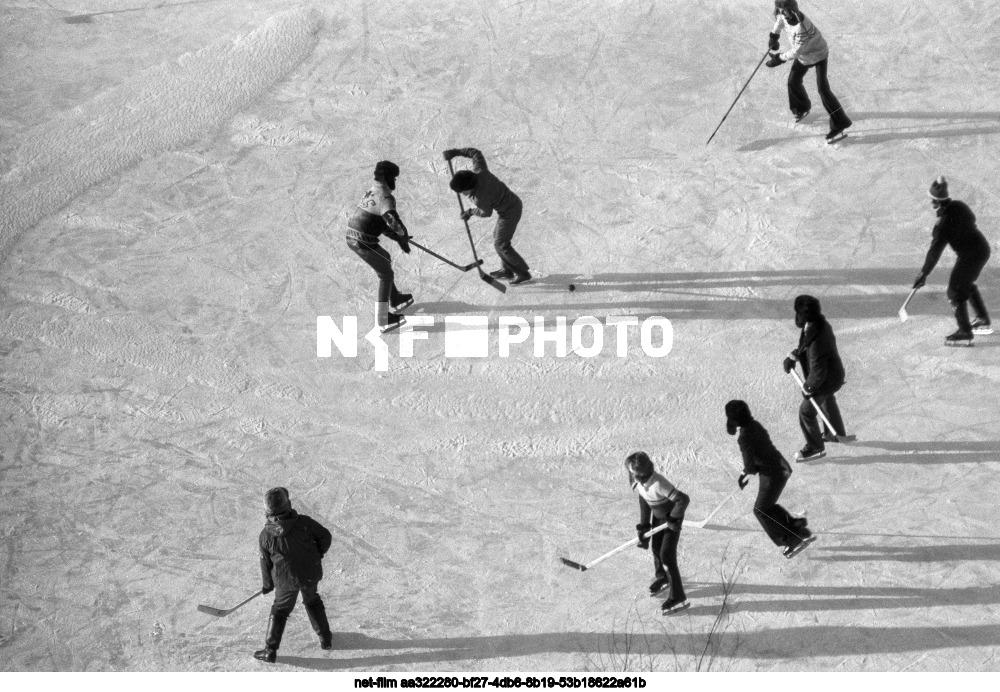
column 761, row 458
column 824, row 376
column 659, row 502
column 956, row 226
column 487, row 192
column 292, row 547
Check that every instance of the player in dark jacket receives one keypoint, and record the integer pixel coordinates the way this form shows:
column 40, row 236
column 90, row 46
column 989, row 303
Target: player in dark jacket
column 292, row 547
column 487, row 192
column 761, row 458
column 956, row 226
column 824, row 376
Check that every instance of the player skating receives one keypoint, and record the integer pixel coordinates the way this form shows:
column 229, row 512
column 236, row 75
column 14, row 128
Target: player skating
column 659, row 502
column 376, row 215
column 956, row 226
column 761, row 458
column 809, row 50
column 292, row 546
column 488, row 193
column 824, row 376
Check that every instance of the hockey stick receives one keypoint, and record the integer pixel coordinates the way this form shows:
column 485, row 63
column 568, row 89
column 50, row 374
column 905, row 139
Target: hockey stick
column 826, row 421
column 464, row 268
column 602, row 558
column 737, row 97
column 482, row 275
column 701, row 524
column 903, row 314
column 220, row 613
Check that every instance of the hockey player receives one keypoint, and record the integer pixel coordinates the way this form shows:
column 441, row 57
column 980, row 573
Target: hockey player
column 292, row 547
column 808, row 50
column 659, row 502
column 761, row 458
column 956, row 226
column 824, row 376
column 487, row 193
column 376, row 215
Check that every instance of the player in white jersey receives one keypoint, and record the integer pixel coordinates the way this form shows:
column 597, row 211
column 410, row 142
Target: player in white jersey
column 376, row 215
column 659, row 502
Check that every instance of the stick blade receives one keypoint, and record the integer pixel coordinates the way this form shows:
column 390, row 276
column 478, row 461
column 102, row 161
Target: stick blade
column 217, row 612
column 492, row 282
column 903, row 315
column 574, row 565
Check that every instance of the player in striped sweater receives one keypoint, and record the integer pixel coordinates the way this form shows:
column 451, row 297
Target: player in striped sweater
column 809, row 49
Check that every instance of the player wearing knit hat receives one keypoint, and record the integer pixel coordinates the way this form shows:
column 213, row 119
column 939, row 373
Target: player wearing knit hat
column 956, row 226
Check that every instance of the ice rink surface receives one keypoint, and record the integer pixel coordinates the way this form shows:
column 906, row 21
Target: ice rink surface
column 175, row 185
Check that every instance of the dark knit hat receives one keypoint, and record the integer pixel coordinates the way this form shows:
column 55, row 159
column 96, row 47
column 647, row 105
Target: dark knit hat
column 463, row 181
column 780, row 5
column 806, row 310
column 385, row 170
column 939, row 189
column 276, row 502
column 737, row 415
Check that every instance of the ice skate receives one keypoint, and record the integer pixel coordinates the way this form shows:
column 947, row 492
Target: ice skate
column 659, row 585
column 394, row 322
column 981, row 327
column 807, row 454
column 520, row 278
column 266, row 655
column 402, row 301
column 959, row 338
column 793, row 550
column 836, row 134
column 502, row 274
column 674, row 605
column 800, row 115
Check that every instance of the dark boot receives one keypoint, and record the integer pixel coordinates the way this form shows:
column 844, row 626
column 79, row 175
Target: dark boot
column 275, row 630
column 321, row 626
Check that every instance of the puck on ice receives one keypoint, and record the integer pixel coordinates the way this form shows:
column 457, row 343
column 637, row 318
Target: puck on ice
column 572, row 287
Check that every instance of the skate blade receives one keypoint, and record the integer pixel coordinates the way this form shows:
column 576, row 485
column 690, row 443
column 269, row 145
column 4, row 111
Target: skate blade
column 838, row 138
column 963, row 342
column 399, row 308
column 983, row 331
column 802, row 546
column 391, row 327
column 814, row 457
column 677, row 608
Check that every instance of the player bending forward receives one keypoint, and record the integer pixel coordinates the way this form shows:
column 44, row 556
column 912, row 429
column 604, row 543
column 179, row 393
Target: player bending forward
column 956, row 226
column 762, row 459
column 659, row 502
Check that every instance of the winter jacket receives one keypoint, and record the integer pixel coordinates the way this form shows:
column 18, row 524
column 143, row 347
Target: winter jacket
column 658, row 497
column 808, row 45
column 821, row 364
column 759, row 453
column 489, row 193
column 292, row 547
column 956, row 226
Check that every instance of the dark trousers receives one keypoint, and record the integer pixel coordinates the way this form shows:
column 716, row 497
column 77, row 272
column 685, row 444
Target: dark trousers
column 284, row 603
column 798, row 99
column 962, row 289
column 379, row 259
column 503, row 233
column 664, row 548
column 809, row 420
column 778, row 524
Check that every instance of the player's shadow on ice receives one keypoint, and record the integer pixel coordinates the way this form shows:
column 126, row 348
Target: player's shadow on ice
column 937, row 452
column 923, row 553
column 778, row 644
column 710, row 295
column 950, row 124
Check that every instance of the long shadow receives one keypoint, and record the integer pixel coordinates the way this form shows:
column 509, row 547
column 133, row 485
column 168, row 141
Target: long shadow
column 694, row 301
column 778, row 643
column 978, row 552
column 861, row 135
column 936, row 452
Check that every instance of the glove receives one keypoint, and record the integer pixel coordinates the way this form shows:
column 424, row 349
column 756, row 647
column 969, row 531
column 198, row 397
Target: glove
column 642, row 530
column 920, row 280
column 403, row 244
column 775, row 60
column 743, row 481
column 267, row 589
column 449, row 154
column 772, row 42
column 806, row 392
column 788, row 364
column 468, row 214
